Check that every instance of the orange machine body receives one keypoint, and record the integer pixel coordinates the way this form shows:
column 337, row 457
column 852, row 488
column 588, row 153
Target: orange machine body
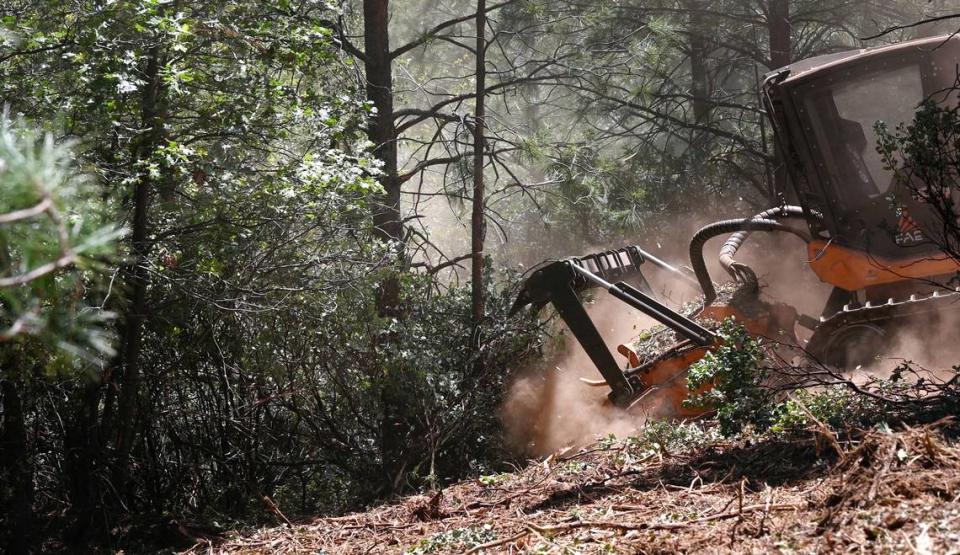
column 666, row 376
column 853, row 270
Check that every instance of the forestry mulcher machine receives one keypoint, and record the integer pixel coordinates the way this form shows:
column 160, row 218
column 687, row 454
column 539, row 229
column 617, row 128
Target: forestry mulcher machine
column 866, row 233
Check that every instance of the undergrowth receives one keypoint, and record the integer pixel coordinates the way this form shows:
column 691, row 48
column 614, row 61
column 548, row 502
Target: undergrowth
column 733, row 381
column 662, row 437
column 733, row 378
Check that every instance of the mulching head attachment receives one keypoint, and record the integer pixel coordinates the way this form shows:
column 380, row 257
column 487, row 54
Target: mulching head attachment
column 560, row 282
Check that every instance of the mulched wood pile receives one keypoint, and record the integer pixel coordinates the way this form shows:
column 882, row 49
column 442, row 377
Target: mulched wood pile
column 876, row 491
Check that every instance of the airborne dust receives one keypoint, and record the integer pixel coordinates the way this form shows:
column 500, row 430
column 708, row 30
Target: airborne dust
column 550, row 407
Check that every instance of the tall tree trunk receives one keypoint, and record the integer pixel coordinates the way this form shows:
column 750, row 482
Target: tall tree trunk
column 477, row 221
column 699, row 78
column 84, row 455
column 16, row 467
column 778, row 30
column 700, row 92
column 137, row 278
column 381, row 130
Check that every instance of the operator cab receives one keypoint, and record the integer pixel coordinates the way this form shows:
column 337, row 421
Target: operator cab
column 824, row 111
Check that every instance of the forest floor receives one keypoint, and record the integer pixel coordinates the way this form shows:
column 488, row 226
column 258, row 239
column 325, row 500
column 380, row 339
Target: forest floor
column 874, row 491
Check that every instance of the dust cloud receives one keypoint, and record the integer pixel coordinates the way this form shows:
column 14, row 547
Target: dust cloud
column 929, row 345
column 549, row 407
column 780, row 262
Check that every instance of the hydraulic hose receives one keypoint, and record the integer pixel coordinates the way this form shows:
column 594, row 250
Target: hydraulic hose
column 730, row 247
column 710, row 231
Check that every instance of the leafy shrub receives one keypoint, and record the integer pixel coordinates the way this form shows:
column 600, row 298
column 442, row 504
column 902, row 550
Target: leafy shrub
column 836, row 406
column 733, row 378
column 662, row 437
column 731, row 381
column 924, row 156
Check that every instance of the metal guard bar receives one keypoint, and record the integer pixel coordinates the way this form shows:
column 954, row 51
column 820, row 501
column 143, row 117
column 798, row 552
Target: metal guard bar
column 653, row 308
column 559, row 282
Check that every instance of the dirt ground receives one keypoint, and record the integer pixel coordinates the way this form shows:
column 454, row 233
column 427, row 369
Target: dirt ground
column 877, row 491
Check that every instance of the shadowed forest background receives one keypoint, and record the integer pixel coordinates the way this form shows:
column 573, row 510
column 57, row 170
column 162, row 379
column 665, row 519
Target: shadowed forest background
column 260, row 253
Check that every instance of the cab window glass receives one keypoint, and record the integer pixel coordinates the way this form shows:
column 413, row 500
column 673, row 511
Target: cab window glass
column 891, row 97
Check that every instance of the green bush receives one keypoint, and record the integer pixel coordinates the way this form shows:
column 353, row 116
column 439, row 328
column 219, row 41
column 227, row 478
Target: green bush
column 662, row 437
column 836, row 406
column 737, row 376
column 742, row 400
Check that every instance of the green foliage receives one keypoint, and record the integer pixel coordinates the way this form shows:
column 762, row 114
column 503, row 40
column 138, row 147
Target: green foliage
column 54, row 235
column 663, row 437
column 924, row 155
column 925, row 149
column 836, row 406
column 657, row 438
column 733, row 377
column 246, row 136
column 265, row 367
column 744, row 402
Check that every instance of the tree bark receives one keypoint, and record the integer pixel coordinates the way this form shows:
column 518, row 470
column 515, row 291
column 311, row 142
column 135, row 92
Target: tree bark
column 699, row 78
column 84, row 454
column 778, row 29
column 136, row 275
column 381, row 130
column 477, row 221
column 699, row 82
column 16, row 467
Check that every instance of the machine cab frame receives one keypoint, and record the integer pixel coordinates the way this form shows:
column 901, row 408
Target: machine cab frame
column 824, row 110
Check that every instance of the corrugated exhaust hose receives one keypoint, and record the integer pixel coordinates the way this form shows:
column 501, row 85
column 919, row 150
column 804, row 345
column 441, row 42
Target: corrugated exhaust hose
column 741, row 272
column 741, row 229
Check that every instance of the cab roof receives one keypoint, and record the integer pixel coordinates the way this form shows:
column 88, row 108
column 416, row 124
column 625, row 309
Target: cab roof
column 805, row 69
